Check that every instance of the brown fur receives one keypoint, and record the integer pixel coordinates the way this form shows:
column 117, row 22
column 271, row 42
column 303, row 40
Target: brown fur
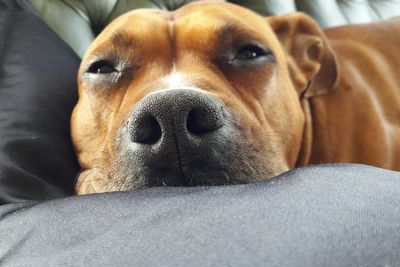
column 330, row 96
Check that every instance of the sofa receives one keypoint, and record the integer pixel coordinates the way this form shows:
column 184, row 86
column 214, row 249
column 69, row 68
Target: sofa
column 323, row 215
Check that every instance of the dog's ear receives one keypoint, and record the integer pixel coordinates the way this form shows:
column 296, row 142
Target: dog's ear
column 311, row 60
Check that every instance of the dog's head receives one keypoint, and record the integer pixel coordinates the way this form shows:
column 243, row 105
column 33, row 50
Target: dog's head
column 206, row 95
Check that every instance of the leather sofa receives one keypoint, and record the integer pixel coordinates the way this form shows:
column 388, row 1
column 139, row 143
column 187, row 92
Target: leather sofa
column 326, row 215
column 83, row 20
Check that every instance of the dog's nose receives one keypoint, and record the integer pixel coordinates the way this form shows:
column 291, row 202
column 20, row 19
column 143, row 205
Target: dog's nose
column 180, row 113
column 173, row 137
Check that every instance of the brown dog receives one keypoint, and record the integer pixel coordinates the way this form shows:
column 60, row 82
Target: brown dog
column 215, row 94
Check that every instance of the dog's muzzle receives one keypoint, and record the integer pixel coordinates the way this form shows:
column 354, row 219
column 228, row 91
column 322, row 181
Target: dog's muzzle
column 176, row 136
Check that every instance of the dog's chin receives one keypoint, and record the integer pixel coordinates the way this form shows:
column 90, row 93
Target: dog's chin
column 205, row 177
column 178, row 179
column 123, row 179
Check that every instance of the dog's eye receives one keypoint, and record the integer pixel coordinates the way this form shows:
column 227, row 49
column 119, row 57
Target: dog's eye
column 101, row 67
column 250, row 52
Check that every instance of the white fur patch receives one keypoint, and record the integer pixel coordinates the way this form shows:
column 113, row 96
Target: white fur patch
column 177, row 81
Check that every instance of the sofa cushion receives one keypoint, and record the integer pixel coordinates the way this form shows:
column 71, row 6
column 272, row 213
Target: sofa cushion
column 345, row 215
column 37, row 94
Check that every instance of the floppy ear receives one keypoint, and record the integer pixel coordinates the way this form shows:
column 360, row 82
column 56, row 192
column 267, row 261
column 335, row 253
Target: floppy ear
column 311, row 61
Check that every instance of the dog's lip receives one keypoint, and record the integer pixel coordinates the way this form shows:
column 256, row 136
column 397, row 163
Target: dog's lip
column 187, row 172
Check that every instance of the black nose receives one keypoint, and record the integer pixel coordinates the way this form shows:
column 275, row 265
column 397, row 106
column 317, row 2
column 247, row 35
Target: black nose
column 184, row 114
column 177, row 137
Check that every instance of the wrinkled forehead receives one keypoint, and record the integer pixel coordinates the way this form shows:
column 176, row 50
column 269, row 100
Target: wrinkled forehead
column 208, row 21
column 218, row 16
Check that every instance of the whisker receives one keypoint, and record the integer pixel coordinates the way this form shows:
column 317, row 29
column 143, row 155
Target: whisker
column 91, row 180
column 226, row 176
column 77, row 175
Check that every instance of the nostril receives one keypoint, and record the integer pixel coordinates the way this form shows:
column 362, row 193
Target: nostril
column 201, row 121
column 146, row 131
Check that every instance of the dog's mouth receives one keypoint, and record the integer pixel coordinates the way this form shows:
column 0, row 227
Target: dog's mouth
column 197, row 170
column 206, row 169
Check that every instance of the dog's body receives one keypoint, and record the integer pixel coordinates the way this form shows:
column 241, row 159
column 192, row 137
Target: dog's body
column 359, row 119
column 215, row 94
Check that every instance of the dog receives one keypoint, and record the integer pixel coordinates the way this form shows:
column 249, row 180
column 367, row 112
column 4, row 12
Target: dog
column 214, row 94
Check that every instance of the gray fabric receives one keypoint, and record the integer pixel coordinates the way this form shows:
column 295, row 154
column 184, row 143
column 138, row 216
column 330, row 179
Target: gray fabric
column 345, row 215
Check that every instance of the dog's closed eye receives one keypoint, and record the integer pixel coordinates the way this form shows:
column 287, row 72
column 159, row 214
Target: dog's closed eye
column 250, row 56
column 249, row 52
column 101, row 67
